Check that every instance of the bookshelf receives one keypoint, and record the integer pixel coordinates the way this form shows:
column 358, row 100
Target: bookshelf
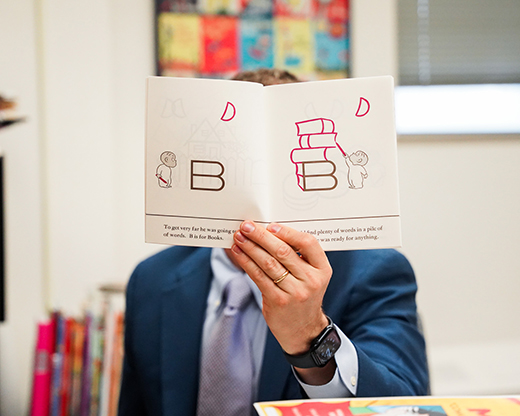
column 78, row 360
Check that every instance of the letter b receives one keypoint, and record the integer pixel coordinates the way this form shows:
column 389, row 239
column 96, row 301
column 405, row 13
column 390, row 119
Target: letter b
column 206, row 175
column 317, row 175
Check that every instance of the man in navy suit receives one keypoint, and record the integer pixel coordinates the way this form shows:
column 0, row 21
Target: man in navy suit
column 322, row 325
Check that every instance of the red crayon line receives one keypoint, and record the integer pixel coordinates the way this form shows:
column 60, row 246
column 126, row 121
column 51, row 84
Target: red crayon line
column 340, row 149
column 162, row 179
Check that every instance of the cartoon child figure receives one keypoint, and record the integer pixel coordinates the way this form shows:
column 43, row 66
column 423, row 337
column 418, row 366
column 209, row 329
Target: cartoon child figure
column 164, row 170
column 356, row 171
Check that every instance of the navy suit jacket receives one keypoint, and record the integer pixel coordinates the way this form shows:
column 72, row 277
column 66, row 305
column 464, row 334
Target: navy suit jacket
column 371, row 297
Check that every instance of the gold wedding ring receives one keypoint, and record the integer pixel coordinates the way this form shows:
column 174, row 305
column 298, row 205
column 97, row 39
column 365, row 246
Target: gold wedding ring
column 283, row 276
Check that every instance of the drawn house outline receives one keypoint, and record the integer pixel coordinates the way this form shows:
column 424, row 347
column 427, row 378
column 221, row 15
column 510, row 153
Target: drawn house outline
column 207, row 142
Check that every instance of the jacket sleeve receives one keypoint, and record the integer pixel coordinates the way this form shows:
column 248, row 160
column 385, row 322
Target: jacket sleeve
column 130, row 399
column 378, row 313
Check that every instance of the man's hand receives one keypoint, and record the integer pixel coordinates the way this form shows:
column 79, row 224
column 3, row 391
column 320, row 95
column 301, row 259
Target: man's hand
column 291, row 308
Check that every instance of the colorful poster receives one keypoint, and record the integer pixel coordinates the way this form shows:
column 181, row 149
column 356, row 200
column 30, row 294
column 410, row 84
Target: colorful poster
column 257, row 8
column 331, row 46
column 294, row 8
column 294, row 45
column 332, row 10
column 178, row 43
column 220, row 7
column 177, row 6
column 257, row 44
column 220, row 40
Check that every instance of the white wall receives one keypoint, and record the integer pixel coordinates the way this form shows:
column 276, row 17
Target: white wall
column 373, row 40
column 75, row 190
column 97, row 55
column 460, row 204
column 75, row 183
column 21, row 148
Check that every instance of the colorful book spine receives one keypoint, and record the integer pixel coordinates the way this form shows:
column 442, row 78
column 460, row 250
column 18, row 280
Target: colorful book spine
column 117, row 365
column 57, row 364
column 42, row 370
column 78, row 338
column 77, row 365
column 86, row 376
column 66, row 385
column 97, row 366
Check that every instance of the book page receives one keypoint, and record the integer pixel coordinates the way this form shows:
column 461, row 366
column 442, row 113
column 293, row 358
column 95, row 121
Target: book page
column 333, row 150
column 205, row 160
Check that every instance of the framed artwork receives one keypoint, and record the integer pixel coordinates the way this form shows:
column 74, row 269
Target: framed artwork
column 217, row 38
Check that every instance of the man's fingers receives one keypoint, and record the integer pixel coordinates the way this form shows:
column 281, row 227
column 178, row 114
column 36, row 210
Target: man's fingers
column 303, row 243
column 268, row 251
column 265, row 282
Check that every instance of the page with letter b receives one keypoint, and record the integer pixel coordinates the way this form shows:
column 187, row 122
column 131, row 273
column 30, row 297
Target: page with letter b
column 205, row 162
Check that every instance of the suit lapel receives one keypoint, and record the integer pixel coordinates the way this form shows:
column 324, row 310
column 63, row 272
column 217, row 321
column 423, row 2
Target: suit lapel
column 183, row 310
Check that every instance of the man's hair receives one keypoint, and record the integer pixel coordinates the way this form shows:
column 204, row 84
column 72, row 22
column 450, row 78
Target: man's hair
column 266, row 76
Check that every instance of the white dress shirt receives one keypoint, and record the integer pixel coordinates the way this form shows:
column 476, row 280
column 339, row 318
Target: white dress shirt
column 344, row 382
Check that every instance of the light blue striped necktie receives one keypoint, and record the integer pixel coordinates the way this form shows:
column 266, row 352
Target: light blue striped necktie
column 226, row 374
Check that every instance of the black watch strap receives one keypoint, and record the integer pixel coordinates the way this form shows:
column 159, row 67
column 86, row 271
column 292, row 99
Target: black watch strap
column 301, row 361
column 328, row 339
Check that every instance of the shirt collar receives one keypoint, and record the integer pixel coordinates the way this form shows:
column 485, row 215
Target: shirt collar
column 224, row 270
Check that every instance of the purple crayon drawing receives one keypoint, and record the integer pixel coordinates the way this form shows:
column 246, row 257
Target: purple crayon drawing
column 229, row 112
column 363, row 107
column 315, row 126
column 314, row 169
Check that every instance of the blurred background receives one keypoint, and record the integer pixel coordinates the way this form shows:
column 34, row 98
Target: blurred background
column 73, row 169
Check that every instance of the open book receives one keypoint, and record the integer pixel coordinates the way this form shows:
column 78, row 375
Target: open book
column 395, row 406
column 317, row 156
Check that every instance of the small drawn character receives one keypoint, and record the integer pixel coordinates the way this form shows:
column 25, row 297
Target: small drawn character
column 164, row 170
column 356, row 171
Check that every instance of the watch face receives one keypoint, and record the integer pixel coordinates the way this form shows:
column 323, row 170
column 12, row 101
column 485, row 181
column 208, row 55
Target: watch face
column 327, row 348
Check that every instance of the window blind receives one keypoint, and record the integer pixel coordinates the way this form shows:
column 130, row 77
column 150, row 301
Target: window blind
column 459, row 41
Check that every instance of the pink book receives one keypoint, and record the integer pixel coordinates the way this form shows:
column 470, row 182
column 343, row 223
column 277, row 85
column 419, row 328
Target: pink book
column 42, row 369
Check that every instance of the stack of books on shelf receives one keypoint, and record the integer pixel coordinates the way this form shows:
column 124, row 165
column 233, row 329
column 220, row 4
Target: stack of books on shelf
column 77, row 364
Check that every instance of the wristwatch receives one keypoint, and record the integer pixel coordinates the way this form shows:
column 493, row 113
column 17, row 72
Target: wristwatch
column 322, row 349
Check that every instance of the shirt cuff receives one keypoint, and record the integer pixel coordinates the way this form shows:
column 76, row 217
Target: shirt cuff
column 344, row 382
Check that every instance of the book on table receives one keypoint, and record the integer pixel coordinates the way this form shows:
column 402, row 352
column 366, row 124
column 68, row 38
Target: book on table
column 395, row 406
